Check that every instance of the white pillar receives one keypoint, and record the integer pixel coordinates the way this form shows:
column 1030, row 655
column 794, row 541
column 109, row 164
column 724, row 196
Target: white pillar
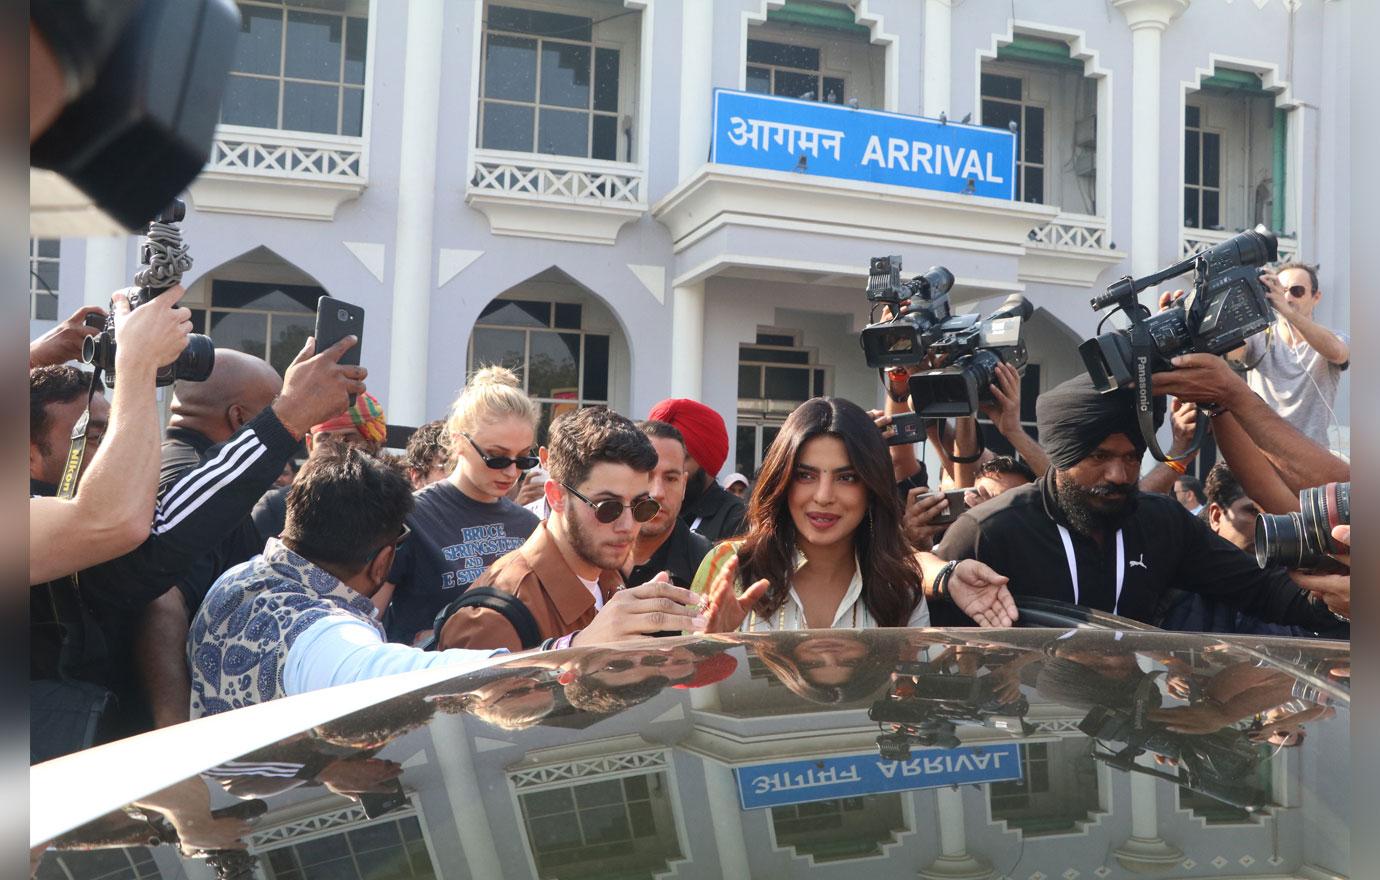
column 954, row 862
column 727, row 818
column 466, row 799
column 412, row 251
column 1145, row 852
column 687, row 341
column 1148, row 20
column 696, row 84
column 937, row 61
column 105, row 270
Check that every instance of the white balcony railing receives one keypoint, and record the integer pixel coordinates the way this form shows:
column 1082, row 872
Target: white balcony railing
column 1193, row 241
column 1078, row 232
column 557, row 177
column 288, row 155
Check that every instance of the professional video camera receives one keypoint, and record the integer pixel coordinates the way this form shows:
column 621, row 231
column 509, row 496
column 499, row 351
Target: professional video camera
column 1303, row 539
column 165, row 259
column 1226, row 306
column 967, row 347
column 924, row 708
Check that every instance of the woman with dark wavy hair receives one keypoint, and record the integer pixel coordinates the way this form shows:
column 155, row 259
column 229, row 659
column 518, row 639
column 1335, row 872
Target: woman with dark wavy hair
column 824, row 546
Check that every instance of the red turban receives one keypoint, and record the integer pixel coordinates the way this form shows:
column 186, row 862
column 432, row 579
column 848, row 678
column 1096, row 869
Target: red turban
column 710, row 670
column 706, row 436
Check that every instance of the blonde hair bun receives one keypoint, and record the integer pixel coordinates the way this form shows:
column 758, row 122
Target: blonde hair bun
column 494, row 375
column 492, row 393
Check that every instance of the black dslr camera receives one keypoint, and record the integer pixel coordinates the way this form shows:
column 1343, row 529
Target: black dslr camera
column 1226, row 306
column 1303, row 539
column 902, row 341
column 165, row 259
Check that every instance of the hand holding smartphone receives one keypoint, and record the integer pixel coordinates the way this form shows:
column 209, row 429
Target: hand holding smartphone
column 336, row 319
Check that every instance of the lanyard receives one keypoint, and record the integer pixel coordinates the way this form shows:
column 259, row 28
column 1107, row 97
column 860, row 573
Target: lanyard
column 695, row 526
column 1073, row 564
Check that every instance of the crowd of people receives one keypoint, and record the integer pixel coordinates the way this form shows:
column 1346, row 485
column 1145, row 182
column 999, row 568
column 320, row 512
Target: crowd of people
column 220, row 573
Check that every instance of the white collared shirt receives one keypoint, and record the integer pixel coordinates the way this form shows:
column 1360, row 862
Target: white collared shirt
column 852, row 612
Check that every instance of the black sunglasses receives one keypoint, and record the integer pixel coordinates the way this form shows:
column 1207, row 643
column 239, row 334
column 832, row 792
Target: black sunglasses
column 621, row 665
column 1298, row 290
column 503, row 462
column 397, row 542
column 609, row 511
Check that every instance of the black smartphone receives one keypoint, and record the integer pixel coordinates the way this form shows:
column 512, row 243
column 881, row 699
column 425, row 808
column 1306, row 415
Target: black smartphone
column 957, row 506
column 377, row 804
column 336, row 319
column 910, row 428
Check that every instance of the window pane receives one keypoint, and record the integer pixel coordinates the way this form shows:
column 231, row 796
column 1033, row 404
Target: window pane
column 543, row 803
column 260, row 44
column 744, row 451
column 338, row 869
column 818, row 389
column 997, row 86
column 388, row 864
column 636, row 788
column 553, row 368
column 510, row 68
column 783, row 383
column 563, row 133
column 780, row 339
column 289, row 334
column 833, row 90
column 45, row 307
column 643, row 821
column 314, row 44
column 253, row 295
column 517, row 312
column 565, row 75
column 605, row 138
column 374, row 837
column 246, row 333
column 774, row 356
column 250, row 101
column 352, row 113
column 507, row 127
column 48, row 274
column 1212, row 159
column 554, row 833
column 797, row 85
column 597, row 794
column 769, row 433
column 567, row 315
column 281, row 860
column 1191, row 157
column 749, row 382
column 310, row 107
column 543, row 24
column 322, row 849
column 1034, row 133
column 411, row 828
column 1191, row 207
column 606, row 79
column 1211, row 217
column 596, row 367
column 356, row 48
column 759, row 80
column 763, row 52
column 1192, row 117
column 49, row 247
column 1034, row 185
column 606, row 824
column 497, row 347
column 996, row 114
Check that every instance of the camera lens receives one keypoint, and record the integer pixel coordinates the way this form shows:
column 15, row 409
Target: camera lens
column 196, row 360
column 1279, row 540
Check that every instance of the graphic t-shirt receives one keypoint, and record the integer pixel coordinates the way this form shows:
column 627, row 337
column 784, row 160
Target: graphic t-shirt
column 454, row 539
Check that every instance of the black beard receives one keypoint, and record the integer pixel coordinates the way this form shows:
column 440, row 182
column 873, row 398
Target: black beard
column 695, row 487
column 1080, row 505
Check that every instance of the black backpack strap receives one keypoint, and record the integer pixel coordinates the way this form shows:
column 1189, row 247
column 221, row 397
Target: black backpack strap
column 511, row 607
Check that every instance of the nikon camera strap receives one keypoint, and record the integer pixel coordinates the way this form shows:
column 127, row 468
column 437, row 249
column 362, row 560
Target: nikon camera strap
column 76, row 452
column 1142, row 354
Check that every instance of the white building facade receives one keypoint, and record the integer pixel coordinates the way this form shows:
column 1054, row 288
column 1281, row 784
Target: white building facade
column 526, row 182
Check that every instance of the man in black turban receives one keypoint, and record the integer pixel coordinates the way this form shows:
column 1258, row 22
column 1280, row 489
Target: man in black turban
column 1083, row 534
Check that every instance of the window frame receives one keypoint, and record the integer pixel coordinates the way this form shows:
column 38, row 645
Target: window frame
column 39, row 288
column 1023, row 107
column 281, row 78
column 1200, row 188
column 623, row 97
column 820, row 75
column 764, row 414
column 332, row 820
column 207, row 309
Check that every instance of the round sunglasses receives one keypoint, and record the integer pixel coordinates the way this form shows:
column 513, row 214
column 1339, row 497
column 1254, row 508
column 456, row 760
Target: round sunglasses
column 609, row 511
column 502, row 462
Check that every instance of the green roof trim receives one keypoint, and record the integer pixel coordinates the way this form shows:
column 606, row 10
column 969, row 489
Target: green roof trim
column 818, row 14
column 1226, row 79
column 1038, row 50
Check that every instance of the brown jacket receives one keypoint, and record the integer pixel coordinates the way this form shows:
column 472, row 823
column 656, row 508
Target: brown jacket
column 538, row 574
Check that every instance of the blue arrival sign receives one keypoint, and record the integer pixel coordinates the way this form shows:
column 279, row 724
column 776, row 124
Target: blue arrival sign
column 786, row 134
column 798, row 782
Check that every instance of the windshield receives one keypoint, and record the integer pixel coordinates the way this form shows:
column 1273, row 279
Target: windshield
column 1021, row 753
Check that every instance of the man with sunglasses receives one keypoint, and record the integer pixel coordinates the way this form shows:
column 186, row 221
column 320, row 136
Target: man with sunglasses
column 567, row 574
column 1297, row 364
column 300, row 616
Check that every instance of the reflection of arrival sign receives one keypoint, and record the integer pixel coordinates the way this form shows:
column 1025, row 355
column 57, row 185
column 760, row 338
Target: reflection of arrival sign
column 797, row 782
column 779, row 134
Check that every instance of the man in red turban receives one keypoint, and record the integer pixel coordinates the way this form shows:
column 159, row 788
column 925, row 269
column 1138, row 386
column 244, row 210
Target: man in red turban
column 708, row 509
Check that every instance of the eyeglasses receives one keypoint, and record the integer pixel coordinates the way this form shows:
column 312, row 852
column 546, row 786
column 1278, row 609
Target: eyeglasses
column 651, row 660
column 524, row 690
column 1298, row 291
column 397, row 542
column 609, row 511
column 503, row 462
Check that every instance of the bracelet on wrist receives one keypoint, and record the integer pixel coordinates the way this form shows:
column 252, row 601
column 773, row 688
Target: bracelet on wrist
column 1178, row 467
column 940, row 586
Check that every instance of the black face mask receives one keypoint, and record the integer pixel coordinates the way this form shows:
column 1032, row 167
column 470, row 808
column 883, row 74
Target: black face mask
column 1094, row 511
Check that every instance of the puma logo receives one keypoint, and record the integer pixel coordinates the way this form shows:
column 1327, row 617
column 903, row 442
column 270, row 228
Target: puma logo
column 1140, row 562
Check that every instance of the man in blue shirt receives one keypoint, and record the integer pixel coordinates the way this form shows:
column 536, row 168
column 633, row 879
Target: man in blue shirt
column 299, row 617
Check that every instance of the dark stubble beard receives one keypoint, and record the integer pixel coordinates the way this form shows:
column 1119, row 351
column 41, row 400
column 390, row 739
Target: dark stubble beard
column 695, row 486
column 1098, row 510
column 584, row 544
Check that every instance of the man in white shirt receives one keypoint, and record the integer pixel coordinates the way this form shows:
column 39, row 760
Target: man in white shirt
column 299, row 617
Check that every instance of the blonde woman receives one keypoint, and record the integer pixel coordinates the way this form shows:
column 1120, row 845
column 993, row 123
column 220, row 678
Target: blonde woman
column 462, row 524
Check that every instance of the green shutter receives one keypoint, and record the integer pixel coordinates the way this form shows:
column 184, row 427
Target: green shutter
column 1280, row 174
column 1224, row 79
column 818, row 14
column 1038, row 50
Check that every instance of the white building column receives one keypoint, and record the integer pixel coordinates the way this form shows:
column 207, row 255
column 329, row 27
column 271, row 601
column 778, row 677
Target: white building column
column 1145, row 852
column 412, row 251
column 937, row 61
column 954, row 862
column 105, row 270
column 696, row 84
column 726, row 815
column 466, row 800
column 687, row 341
column 1148, row 20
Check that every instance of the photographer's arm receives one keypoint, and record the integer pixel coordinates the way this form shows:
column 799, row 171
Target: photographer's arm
column 1005, row 413
column 904, row 462
column 114, row 502
column 1326, row 343
column 160, row 650
column 965, row 444
column 1183, row 420
column 1257, row 476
